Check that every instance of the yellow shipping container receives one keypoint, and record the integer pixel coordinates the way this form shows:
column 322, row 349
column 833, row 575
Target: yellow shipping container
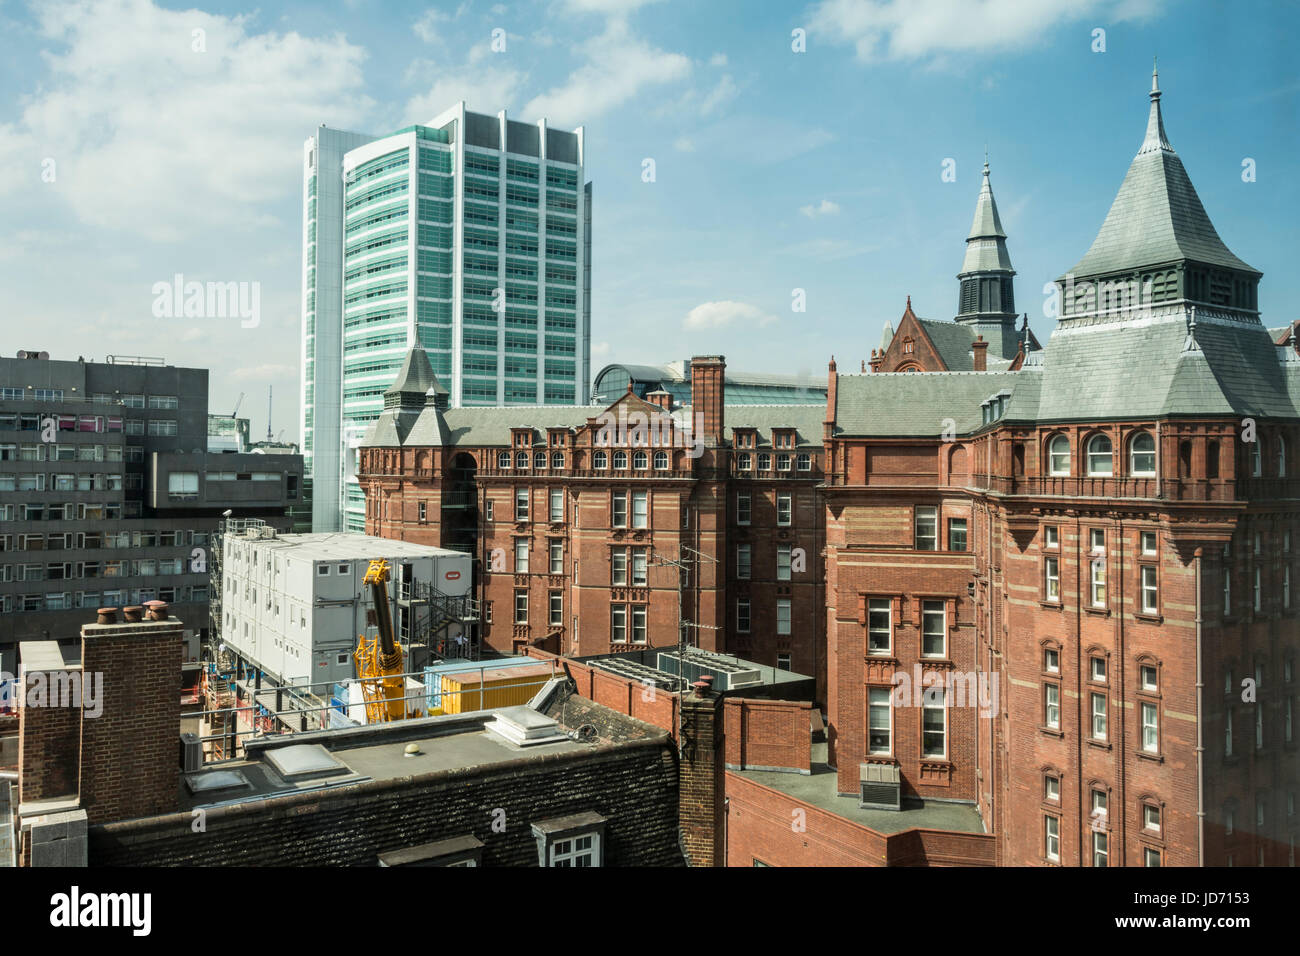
column 487, row 690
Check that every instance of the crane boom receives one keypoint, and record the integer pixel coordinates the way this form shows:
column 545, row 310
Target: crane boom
column 381, row 663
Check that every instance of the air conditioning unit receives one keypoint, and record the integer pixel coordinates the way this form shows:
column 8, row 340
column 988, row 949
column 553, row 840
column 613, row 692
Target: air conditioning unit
column 191, row 753
column 880, row 787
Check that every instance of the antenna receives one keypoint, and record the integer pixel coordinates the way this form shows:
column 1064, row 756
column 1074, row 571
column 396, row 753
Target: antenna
column 268, row 413
column 682, row 563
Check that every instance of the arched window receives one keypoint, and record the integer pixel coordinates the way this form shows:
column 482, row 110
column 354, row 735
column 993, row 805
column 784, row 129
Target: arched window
column 1142, row 455
column 521, row 459
column 503, row 459
column 661, row 460
column 539, row 459
column 557, row 459
column 620, row 459
column 1100, row 457
column 600, row 460
column 640, row 460
column 1058, row 455
column 1281, row 457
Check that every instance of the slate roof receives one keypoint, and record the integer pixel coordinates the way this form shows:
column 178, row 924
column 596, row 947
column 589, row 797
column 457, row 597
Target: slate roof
column 986, row 247
column 1156, row 216
column 805, row 419
column 952, row 342
column 915, row 404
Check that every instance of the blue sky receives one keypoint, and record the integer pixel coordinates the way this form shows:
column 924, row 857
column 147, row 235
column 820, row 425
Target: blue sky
column 774, row 170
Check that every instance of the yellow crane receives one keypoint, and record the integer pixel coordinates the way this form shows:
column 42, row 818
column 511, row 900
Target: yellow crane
column 379, row 660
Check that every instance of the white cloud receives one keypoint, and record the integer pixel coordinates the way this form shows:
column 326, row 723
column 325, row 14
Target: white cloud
column 920, row 29
column 823, row 208
column 828, row 249
column 150, row 135
column 684, row 145
column 714, row 315
column 608, row 8
column 426, row 27
column 483, row 86
column 263, row 372
column 725, row 91
column 619, row 66
column 718, row 59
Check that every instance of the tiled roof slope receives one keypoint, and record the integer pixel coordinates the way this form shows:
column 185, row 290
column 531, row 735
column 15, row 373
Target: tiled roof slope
column 915, row 403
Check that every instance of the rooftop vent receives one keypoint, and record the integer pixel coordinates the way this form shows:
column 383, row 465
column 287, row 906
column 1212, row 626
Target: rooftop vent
column 728, row 673
column 525, row 727
column 27, row 354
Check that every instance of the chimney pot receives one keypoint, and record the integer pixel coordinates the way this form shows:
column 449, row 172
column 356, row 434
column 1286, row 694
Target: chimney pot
column 106, row 615
column 157, row 610
column 132, row 614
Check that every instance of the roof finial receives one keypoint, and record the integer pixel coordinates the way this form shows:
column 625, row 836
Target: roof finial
column 1155, row 138
column 909, row 303
column 986, row 160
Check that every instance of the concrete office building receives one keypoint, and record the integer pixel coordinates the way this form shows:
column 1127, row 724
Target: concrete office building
column 322, row 315
column 469, row 236
column 108, row 494
column 293, row 605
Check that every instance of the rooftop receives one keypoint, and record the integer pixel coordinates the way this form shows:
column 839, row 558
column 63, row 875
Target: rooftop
column 461, row 743
column 821, row 790
column 346, row 546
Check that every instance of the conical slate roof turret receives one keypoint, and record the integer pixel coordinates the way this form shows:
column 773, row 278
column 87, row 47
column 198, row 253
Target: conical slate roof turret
column 1156, row 217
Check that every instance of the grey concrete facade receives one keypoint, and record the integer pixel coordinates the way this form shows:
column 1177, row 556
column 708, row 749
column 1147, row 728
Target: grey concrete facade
column 92, row 509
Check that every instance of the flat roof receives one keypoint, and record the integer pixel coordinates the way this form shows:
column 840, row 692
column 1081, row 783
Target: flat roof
column 349, row 546
column 378, row 751
column 821, row 790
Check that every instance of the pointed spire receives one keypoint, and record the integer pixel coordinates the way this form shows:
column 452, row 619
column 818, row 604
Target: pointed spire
column 987, row 223
column 1155, row 138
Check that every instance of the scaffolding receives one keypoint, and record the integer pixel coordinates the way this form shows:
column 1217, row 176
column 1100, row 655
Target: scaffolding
column 430, row 630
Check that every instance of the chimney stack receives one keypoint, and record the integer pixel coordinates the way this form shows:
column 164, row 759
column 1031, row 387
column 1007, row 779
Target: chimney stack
column 979, row 354
column 708, row 396
column 128, row 747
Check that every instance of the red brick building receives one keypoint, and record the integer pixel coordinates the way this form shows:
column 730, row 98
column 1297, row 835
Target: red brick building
column 1104, row 529
column 1056, row 580
column 591, row 524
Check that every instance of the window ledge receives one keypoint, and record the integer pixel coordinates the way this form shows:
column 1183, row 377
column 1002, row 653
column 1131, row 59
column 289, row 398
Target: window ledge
column 1099, row 744
column 1054, row 605
column 1149, row 617
column 1052, row 731
column 1098, row 611
column 1154, row 758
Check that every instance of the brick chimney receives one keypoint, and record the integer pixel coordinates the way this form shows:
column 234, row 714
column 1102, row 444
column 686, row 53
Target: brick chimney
column 708, row 395
column 702, row 794
column 129, row 762
column 877, row 360
column 832, row 389
column 980, row 354
column 661, row 398
column 111, row 751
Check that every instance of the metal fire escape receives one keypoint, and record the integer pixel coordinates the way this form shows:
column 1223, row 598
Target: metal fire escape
column 443, row 611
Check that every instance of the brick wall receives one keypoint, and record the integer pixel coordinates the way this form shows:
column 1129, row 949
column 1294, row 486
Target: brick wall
column 130, row 765
column 633, row 786
column 701, row 799
column 766, row 734
column 49, row 736
column 658, row 708
column 771, row 827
